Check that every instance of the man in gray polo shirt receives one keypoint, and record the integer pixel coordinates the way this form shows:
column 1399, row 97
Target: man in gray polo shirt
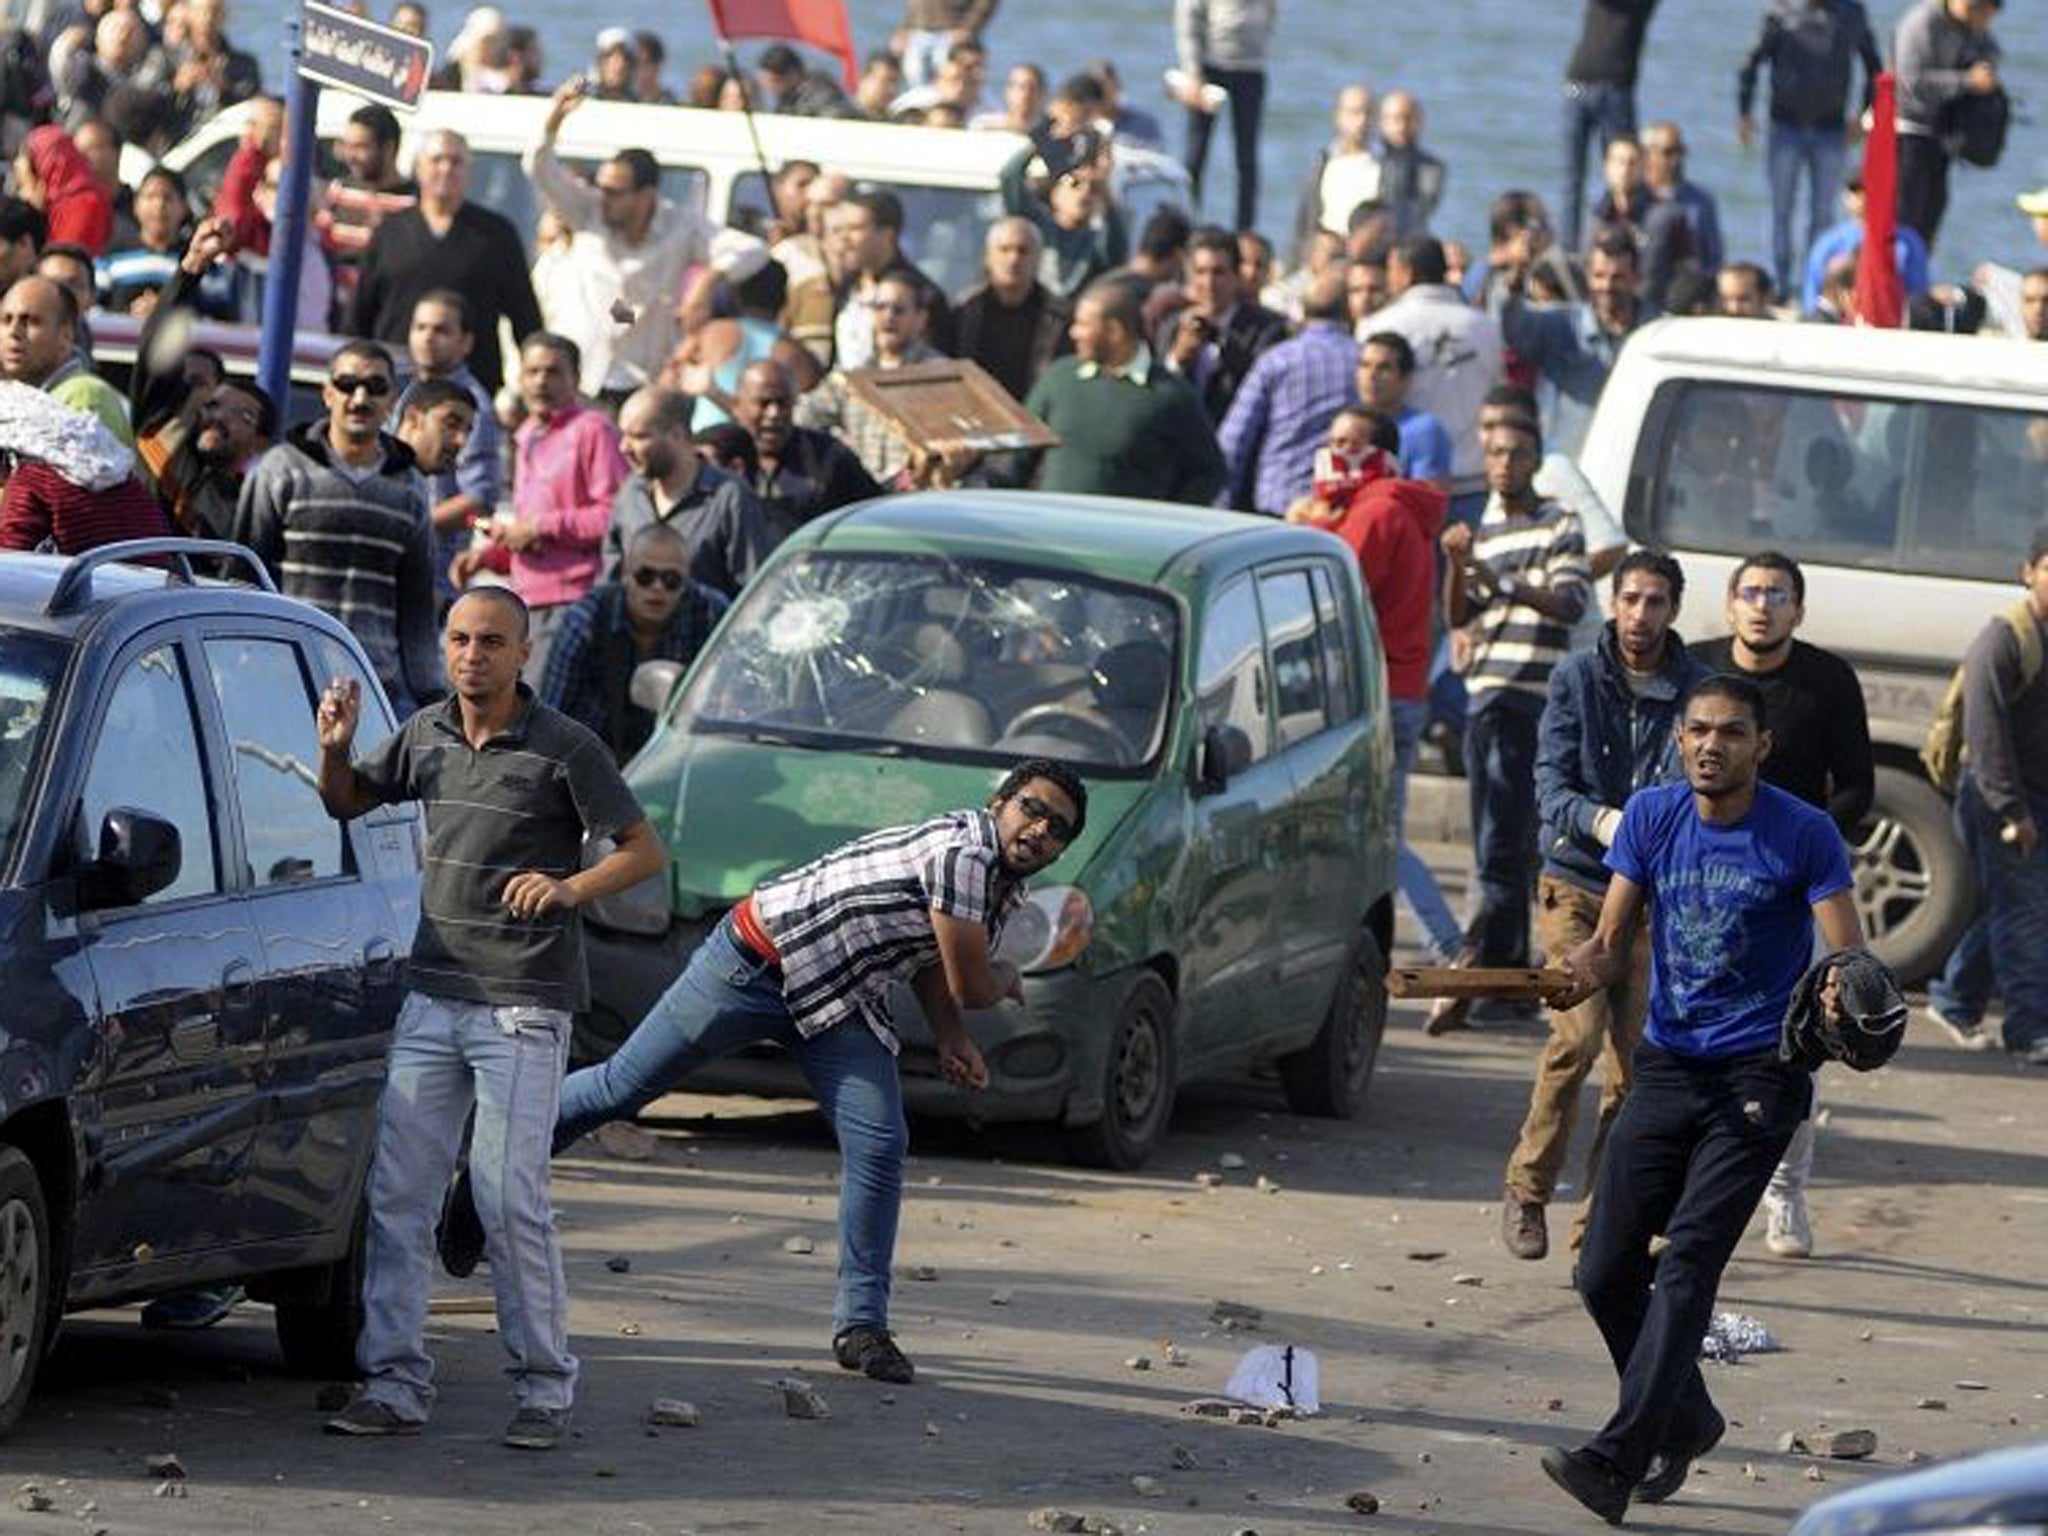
column 510, row 788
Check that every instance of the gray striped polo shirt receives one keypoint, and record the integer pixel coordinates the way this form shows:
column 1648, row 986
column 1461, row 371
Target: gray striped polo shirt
column 1514, row 646
column 522, row 801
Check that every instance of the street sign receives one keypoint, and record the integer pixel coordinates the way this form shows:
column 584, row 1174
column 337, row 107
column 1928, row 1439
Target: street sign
column 363, row 58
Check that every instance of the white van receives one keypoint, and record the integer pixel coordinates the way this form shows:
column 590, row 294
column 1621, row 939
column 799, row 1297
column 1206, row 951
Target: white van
column 1905, row 472
column 946, row 177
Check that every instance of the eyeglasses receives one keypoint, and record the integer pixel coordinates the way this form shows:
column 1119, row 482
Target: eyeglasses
column 1057, row 827
column 668, row 581
column 1765, row 597
column 376, row 385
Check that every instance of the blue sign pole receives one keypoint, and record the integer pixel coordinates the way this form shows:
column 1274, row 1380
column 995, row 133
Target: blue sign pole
column 288, row 230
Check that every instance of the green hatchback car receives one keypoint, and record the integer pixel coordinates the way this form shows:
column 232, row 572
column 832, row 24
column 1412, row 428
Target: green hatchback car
column 1217, row 681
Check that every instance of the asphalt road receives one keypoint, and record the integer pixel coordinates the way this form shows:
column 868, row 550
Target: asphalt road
column 1442, row 1377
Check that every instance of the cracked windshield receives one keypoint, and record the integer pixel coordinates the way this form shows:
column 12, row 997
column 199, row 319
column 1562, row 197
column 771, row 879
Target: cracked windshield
column 943, row 657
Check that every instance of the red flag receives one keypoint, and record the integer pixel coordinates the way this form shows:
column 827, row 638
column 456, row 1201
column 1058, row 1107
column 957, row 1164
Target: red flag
column 1880, row 295
column 820, row 24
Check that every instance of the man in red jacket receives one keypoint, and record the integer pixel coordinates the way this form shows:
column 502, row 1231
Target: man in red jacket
column 1392, row 525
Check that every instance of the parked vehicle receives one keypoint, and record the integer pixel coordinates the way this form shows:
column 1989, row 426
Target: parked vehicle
column 1905, row 471
column 202, row 966
column 946, row 177
column 117, row 339
column 1218, row 682
column 2001, row 1493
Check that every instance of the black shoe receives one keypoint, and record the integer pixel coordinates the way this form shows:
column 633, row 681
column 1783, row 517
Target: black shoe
column 1668, row 1468
column 1588, row 1478
column 460, row 1233
column 872, row 1351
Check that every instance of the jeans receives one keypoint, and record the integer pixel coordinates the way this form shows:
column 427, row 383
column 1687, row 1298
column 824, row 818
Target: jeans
column 1689, row 1156
column 1440, row 930
column 1247, row 89
column 1500, row 777
column 1964, row 989
column 1605, row 1028
column 2014, row 891
column 1818, row 152
column 1591, row 109
column 924, row 50
column 724, row 1001
column 1923, row 184
column 445, row 1056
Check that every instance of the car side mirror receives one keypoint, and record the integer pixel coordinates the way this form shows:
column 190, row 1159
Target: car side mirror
column 653, row 682
column 139, row 854
column 1226, row 752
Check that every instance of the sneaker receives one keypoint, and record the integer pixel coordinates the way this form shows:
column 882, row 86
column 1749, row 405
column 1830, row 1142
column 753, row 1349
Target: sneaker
column 368, row 1416
column 193, row 1309
column 536, row 1429
column 872, row 1351
column 1449, row 1013
column 1522, row 1228
column 459, row 1235
column 1588, row 1478
column 1788, row 1230
column 1971, row 1035
column 1668, row 1468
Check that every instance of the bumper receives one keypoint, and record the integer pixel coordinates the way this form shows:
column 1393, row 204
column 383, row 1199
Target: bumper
column 1045, row 1060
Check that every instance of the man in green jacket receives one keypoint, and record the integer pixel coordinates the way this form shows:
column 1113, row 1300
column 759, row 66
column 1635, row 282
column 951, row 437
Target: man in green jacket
column 1127, row 426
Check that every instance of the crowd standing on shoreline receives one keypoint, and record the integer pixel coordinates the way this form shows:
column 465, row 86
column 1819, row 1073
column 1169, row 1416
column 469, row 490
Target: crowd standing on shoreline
column 510, row 532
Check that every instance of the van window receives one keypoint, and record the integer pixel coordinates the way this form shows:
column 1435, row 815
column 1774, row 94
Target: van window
column 943, row 227
column 497, row 181
column 1839, row 479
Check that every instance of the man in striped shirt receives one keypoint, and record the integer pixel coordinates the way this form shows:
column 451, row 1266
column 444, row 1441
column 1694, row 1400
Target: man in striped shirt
column 1517, row 586
column 807, row 962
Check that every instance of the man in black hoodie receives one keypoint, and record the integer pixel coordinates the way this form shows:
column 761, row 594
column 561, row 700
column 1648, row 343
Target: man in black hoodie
column 338, row 512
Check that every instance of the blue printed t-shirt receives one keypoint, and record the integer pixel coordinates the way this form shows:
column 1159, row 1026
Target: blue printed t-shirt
column 1731, row 912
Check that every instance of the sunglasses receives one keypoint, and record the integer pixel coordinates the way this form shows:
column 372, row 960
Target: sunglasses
column 376, row 385
column 668, row 581
column 1057, row 827
column 1765, row 597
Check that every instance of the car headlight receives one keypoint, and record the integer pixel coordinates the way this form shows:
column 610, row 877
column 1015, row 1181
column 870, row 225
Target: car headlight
column 1049, row 930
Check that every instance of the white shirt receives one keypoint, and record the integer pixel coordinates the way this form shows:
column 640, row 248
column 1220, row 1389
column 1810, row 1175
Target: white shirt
column 600, row 267
column 1458, row 356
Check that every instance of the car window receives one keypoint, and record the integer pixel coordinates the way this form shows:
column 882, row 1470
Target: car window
column 1230, row 675
column 331, row 660
column 147, row 758
column 286, row 831
column 944, row 228
column 944, row 656
column 29, row 668
column 497, row 181
column 1296, row 644
column 1340, row 671
column 1897, row 485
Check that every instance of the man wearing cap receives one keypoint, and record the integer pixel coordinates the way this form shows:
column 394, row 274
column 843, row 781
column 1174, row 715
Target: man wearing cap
column 615, row 60
column 632, row 252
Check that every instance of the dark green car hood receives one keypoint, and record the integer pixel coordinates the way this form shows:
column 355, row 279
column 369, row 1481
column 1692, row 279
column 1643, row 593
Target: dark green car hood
column 733, row 812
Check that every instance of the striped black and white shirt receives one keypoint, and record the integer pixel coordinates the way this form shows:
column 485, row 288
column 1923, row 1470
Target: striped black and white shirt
column 1514, row 645
column 848, row 926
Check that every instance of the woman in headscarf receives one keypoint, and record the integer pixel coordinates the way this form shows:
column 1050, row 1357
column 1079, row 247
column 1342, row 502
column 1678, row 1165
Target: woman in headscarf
column 52, row 174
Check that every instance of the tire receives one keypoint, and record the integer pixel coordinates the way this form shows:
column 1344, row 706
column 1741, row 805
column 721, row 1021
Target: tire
column 27, row 1267
column 1914, row 887
column 318, row 1337
column 1139, row 1076
column 1329, row 1076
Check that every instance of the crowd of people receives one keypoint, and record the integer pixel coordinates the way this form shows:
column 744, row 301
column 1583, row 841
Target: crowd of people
column 526, row 526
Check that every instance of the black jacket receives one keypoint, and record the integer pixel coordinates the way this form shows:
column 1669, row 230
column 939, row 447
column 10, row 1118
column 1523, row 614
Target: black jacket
column 1247, row 332
column 1813, row 51
column 1049, row 317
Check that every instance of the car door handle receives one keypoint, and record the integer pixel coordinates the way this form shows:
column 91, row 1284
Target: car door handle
column 380, row 962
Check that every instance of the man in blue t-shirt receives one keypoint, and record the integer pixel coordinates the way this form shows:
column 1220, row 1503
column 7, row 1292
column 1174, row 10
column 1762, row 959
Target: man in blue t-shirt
column 1735, row 873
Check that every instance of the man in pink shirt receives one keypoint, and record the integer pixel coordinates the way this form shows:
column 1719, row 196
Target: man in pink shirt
column 567, row 470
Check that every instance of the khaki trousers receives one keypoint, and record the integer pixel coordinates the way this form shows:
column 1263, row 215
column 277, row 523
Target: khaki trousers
column 1606, row 1028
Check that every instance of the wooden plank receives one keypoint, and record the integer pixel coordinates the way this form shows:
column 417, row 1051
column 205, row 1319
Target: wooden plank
column 949, row 404
column 1474, row 981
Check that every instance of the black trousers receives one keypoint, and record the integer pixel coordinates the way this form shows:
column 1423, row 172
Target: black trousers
column 1689, row 1157
column 1923, row 184
column 1247, row 89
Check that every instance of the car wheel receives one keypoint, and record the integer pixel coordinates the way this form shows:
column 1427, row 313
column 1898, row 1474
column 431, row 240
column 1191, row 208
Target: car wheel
column 26, row 1268
column 1914, row 888
column 1138, row 1080
column 1329, row 1076
column 317, row 1337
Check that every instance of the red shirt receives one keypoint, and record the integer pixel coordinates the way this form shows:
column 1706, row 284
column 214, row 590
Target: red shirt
column 1392, row 526
column 41, row 504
